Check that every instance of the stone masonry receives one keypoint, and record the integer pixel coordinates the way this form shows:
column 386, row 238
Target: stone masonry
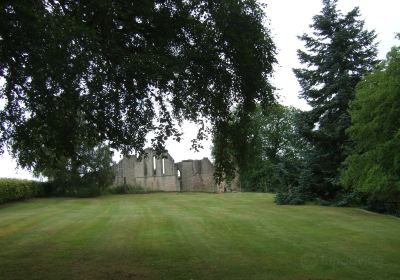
column 163, row 174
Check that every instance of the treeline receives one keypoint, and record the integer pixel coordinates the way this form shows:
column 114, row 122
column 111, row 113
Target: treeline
column 346, row 149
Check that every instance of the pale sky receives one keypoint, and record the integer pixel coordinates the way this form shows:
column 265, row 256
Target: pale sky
column 288, row 19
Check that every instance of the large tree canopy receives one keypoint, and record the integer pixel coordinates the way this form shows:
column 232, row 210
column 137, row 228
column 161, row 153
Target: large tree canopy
column 116, row 70
column 374, row 164
column 339, row 51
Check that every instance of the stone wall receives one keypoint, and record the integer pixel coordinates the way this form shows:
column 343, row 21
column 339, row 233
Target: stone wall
column 151, row 173
column 230, row 187
column 197, row 175
column 163, row 174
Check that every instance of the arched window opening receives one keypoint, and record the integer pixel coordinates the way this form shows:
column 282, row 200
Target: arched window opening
column 154, row 165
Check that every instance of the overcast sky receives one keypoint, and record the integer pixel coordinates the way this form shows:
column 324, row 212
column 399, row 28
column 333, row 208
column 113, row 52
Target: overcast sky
column 287, row 20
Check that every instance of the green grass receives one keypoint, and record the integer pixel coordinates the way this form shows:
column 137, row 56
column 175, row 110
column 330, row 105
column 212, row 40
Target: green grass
column 194, row 236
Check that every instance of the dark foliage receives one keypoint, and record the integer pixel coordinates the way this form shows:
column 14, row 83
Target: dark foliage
column 289, row 198
column 86, row 175
column 113, row 71
column 339, row 51
column 125, row 189
column 351, row 198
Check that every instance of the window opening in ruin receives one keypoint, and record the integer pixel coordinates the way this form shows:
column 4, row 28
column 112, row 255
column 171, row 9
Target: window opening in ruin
column 179, row 173
column 154, row 166
column 163, row 166
column 124, row 180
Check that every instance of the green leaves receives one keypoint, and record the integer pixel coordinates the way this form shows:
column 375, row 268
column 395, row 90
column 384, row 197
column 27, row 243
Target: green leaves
column 374, row 164
column 15, row 189
column 273, row 150
column 114, row 71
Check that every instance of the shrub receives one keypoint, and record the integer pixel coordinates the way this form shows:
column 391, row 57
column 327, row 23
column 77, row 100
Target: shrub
column 323, row 202
column 86, row 190
column 352, row 198
column 15, row 189
column 288, row 198
column 382, row 204
column 126, row 189
column 296, row 201
column 281, row 198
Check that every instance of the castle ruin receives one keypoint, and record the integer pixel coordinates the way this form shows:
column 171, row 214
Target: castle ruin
column 154, row 173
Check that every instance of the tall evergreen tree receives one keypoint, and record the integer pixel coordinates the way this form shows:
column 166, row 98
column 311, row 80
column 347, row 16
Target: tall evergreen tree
column 339, row 51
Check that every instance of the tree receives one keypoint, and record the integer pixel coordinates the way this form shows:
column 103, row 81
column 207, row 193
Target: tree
column 89, row 173
column 374, row 164
column 281, row 147
column 107, row 71
column 274, row 150
column 338, row 53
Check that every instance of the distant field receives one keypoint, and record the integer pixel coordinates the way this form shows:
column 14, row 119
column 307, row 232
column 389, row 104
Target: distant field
column 194, row 236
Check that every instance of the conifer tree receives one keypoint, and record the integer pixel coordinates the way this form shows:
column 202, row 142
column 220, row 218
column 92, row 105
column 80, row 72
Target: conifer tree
column 339, row 51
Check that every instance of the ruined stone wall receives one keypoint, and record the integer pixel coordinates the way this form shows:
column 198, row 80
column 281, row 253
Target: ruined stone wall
column 231, row 187
column 125, row 171
column 162, row 178
column 197, row 175
column 132, row 171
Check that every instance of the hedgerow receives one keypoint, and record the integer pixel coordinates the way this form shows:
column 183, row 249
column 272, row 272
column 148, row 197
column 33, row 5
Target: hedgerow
column 16, row 189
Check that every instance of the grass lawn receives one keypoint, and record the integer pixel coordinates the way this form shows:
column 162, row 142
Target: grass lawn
column 194, row 236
